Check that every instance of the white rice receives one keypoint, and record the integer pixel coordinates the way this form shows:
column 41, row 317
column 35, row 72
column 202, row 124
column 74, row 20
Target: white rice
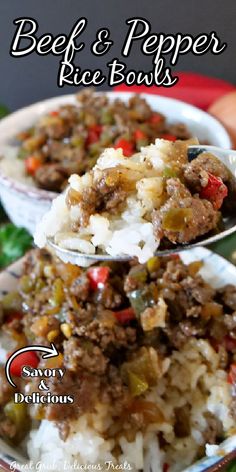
column 7, row 344
column 193, row 377
column 13, row 167
column 129, row 233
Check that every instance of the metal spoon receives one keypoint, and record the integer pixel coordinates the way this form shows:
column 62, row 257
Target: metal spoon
column 228, row 157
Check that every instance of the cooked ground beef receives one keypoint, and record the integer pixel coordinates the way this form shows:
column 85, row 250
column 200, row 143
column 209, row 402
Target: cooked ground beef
column 79, row 356
column 197, row 289
column 8, row 428
column 198, row 216
column 214, row 429
column 196, row 172
column 196, row 175
column 108, row 297
column 182, row 421
column 50, row 176
column 106, row 333
column 80, row 287
column 228, row 294
column 107, row 193
column 70, row 139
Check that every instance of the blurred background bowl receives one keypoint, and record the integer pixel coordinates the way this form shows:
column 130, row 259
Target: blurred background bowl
column 25, row 204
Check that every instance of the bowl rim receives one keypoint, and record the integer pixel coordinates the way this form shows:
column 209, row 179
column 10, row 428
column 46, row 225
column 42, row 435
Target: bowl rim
column 46, row 195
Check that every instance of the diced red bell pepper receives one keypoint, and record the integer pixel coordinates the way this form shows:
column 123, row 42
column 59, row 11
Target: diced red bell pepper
column 54, row 113
column 32, row 164
column 126, row 315
column 169, row 137
column 29, row 358
column 215, row 191
column 98, row 276
column 155, row 118
column 232, row 374
column 126, row 146
column 139, row 135
column 94, row 133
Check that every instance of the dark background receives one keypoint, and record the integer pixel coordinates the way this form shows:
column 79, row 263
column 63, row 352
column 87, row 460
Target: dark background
column 28, row 79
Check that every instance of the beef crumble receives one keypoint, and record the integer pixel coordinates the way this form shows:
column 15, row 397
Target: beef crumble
column 199, row 216
column 196, row 172
column 70, row 139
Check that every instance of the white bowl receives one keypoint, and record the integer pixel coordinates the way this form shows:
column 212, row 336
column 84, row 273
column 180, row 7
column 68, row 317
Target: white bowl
column 216, row 271
column 25, row 204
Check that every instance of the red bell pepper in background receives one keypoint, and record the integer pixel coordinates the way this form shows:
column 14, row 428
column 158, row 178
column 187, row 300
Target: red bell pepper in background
column 29, row 358
column 199, row 90
column 126, row 146
column 54, row 113
column 139, row 135
column 94, row 133
column 155, row 118
column 124, row 316
column 169, row 137
column 98, row 276
column 32, row 164
column 215, row 191
column 232, row 374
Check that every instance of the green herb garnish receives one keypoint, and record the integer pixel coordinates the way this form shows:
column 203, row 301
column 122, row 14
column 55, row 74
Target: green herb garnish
column 14, row 242
column 3, row 111
column 232, row 467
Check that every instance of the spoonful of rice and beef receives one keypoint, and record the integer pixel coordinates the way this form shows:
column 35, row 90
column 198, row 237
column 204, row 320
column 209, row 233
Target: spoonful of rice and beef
column 156, row 200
